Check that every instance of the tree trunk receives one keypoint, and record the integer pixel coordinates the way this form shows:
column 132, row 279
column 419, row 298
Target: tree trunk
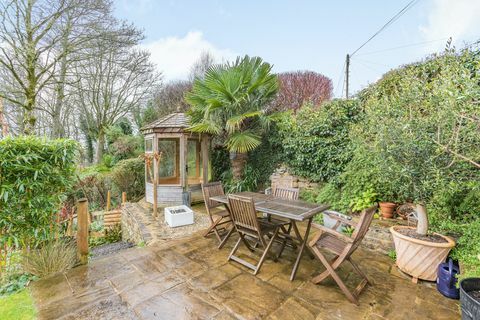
column 238, row 161
column 422, row 225
column 29, row 119
column 100, row 146
column 58, row 126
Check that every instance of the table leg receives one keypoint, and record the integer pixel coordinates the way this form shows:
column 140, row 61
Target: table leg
column 300, row 239
column 301, row 249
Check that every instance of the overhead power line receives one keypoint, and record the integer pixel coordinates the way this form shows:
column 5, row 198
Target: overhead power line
column 386, row 25
column 389, row 22
column 417, row 44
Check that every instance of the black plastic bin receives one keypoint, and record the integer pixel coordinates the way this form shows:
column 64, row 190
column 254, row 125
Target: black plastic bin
column 470, row 306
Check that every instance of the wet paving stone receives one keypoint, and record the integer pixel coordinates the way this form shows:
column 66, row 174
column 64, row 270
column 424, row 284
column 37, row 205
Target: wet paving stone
column 189, row 278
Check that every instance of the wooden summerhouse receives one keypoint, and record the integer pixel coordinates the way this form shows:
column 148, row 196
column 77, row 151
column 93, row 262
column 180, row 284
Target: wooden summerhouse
column 176, row 158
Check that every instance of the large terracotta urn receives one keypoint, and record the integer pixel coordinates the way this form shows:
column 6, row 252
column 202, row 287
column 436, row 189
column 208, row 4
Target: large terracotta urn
column 420, row 258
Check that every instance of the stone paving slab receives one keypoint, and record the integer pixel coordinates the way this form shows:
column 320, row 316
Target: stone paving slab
column 190, row 278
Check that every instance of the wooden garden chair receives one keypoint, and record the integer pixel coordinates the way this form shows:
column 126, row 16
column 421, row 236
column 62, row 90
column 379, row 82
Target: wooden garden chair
column 286, row 193
column 246, row 223
column 342, row 246
column 285, row 226
column 219, row 218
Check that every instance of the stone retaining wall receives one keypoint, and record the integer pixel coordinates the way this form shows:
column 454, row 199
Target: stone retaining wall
column 283, row 178
column 133, row 229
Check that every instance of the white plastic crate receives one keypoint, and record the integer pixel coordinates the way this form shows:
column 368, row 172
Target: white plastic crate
column 178, row 216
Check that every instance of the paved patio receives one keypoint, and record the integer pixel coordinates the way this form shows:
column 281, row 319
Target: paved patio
column 189, row 278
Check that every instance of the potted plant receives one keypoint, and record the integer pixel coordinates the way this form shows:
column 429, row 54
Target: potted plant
column 387, row 195
column 470, row 298
column 411, row 169
column 387, row 209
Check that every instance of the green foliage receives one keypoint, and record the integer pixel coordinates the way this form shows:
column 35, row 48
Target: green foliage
column 94, row 184
column 220, row 163
column 418, row 119
column 457, row 201
column 367, row 199
column 332, row 195
column 392, row 254
column 96, row 225
column 18, row 306
column 96, row 241
column 467, row 250
column 113, row 234
column 129, row 176
column 54, row 256
column 317, row 143
column 249, row 182
column 122, row 144
column 35, row 174
column 229, row 102
column 108, row 161
column 348, row 230
column 15, row 282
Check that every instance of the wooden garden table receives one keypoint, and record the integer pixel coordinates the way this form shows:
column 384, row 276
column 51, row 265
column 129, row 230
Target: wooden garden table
column 293, row 210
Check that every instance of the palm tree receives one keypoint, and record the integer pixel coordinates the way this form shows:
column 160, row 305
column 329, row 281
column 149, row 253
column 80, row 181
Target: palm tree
column 230, row 102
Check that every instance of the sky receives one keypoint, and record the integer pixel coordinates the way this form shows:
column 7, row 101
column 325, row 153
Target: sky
column 293, row 35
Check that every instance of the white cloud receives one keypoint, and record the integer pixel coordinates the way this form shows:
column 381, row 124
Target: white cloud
column 174, row 56
column 452, row 18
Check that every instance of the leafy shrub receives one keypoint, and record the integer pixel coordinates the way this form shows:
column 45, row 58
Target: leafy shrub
column 125, row 147
column 96, row 241
column 108, row 161
column 220, row 163
column 317, row 143
column 458, row 201
column 54, row 256
column 367, row 199
column 35, row 174
column 113, row 234
column 249, row 182
column 94, row 185
column 129, row 176
column 15, row 283
column 96, row 225
column 331, row 194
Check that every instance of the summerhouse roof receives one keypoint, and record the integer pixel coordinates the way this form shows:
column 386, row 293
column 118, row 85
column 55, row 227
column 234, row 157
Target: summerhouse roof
column 174, row 122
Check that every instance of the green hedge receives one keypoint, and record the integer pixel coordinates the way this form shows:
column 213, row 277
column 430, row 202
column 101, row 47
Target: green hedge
column 35, row 174
column 316, row 141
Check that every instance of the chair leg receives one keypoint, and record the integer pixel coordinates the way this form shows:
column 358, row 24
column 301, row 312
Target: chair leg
column 222, row 243
column 335, row 276
column 235, row 248
column 267, row 249
column 213, row 228
column 358, row 270
column 322, row 276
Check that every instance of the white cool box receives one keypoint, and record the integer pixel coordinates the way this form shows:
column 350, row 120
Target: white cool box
column 178, row 216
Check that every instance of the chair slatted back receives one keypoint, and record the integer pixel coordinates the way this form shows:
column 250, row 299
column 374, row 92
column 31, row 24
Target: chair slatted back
column 209, row 190
column 243, row 213
column 286, row 193
column 362, row 227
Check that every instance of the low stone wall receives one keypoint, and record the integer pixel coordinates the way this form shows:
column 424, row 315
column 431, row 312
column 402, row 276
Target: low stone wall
column 133, row 229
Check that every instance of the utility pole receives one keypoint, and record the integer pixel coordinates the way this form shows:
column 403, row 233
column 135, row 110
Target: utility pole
column 347, row 75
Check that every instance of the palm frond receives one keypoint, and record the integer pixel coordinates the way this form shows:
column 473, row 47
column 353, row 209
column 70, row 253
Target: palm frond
column 243, row 142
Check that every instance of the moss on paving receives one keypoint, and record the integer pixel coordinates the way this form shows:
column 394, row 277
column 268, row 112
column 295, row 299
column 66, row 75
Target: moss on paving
column 17, row 306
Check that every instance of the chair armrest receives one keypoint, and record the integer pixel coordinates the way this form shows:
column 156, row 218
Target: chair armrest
column 335, row 233
column 338, row 218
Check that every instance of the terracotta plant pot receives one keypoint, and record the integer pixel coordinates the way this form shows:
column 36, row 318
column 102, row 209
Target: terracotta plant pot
column 420, row 258
column 386, row 209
